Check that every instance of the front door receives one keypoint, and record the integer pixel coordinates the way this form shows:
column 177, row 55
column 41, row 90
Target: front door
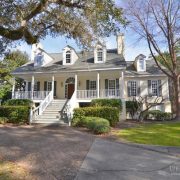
column 70, row 90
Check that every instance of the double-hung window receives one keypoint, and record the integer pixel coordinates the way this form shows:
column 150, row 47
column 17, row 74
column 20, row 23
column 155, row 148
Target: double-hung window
column 154, row 88
column 49, row 86
column 112, row 87
column 68, row 57
column 99, row 55
column 132, row 88
column 92, row 85
column 141, row 64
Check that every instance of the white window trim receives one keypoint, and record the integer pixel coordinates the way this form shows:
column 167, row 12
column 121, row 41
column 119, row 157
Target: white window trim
column 68, row 52
column 49, row 82
column 153, row 95
column 100, row 50
column 114, row 86
column 90, row 81
column 135, row 88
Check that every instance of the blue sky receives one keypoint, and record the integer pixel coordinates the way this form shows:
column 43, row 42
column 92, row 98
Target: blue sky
column 55, row 45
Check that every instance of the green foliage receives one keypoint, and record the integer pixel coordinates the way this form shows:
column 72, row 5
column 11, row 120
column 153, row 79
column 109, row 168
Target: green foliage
column 132, row 107
column 18, row 102
column 95, row 124
column 3, row 120
column 107, row 102
column 15, row 114
column 158, row 115
column 109, row 113
column 5, row 92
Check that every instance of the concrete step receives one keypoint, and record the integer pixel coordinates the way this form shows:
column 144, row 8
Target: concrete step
column 48, row 122
column 48, row 117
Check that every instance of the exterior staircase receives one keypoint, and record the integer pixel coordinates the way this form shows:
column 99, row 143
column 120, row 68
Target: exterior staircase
column 53, row 114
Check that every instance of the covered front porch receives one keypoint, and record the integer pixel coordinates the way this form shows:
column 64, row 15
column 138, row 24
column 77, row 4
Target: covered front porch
column 84, row 86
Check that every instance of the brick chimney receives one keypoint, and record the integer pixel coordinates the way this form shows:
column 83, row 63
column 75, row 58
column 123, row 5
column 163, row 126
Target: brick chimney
column 120, row 44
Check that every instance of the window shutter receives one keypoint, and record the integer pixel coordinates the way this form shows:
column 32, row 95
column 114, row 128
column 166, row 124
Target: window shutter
column 138, row 88
column 117, row 83
column 106, row 83
column 149, row 88
column 159, row 88
column 38, row 86
column 55, row 85
column 87, row 84
column 45, row 85
column 29, row 86
column 129, row 88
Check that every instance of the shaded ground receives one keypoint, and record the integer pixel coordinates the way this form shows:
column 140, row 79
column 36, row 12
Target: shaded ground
column 117, row 161
column 47, row 153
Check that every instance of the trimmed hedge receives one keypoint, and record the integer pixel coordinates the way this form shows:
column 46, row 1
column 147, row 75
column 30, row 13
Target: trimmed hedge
column 109, row 113
column 107, row 102
column 18, row 102
column 158, row 115
column 95, row 124
column 15, row 114
column 3, row 120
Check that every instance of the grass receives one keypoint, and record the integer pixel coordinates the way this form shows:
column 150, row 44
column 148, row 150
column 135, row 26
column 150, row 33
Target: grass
column 11, row 171
column 165, row 134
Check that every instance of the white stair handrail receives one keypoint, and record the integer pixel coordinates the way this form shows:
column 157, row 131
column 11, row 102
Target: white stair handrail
column 45, row 102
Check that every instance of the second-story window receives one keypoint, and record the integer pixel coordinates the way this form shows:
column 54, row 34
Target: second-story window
column 141, row 64
column 68, row 57
column 132, row 88
column 100, row 55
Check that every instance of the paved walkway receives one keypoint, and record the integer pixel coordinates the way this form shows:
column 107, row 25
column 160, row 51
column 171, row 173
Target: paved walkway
column 52, row 153
column 116, row 161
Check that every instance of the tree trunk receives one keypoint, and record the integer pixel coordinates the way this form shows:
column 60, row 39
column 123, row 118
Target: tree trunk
column 177, row 97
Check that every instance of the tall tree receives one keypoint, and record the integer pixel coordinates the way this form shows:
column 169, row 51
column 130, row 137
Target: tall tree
column 10, row 62
column 158, row 22
column 31, row 20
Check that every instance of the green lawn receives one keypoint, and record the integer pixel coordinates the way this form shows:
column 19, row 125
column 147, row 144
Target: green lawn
column 167, row 134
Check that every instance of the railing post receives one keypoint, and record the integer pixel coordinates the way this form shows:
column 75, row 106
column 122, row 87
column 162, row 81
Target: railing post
column 76, row 82
column 32, row 87
column 13, row 87
column 53, row 85
column 97, row 85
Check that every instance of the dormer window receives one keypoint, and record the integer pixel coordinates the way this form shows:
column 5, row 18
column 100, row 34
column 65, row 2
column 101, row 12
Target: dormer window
column 141, row 65
column 68, row 57
column 100, row 55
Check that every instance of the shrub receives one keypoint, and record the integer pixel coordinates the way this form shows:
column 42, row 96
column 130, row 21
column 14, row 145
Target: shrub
column 15, row 114
column 158, row 115
column 107, row 102
column 97, row 125
column 18, row 102
column 131, row 107
column 109, row 113
column 3, row 120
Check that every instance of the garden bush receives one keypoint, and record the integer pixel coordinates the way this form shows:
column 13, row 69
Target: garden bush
column 107, row 102
column 15, row 114
column 3, row 120
column 131, row 108
column 109, row 113
column 95, row 124
column 18, row 102
column 158, row 115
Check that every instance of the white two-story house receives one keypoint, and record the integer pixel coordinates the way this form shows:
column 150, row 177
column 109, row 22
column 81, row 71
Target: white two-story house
column 60, row 82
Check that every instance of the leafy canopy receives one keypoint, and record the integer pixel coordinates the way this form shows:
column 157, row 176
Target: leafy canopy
column 82, row 20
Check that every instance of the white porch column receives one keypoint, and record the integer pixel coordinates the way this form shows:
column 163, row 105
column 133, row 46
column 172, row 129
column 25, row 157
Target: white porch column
column 76, row 84
column 32, row 87
column 13, row 87
column 97, row 85
column 53, row 85
column 123, row 114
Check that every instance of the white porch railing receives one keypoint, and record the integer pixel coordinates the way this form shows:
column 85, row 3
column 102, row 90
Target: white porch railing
column 39, row 110
column 37, row 95
column 92, row 94
column 86, row 94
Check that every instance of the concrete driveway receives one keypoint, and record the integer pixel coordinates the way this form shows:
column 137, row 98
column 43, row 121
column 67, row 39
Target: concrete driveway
column 116, row 161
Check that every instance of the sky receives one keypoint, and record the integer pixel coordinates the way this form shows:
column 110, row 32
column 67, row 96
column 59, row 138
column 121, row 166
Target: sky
column 55, row 45
column 132, row 47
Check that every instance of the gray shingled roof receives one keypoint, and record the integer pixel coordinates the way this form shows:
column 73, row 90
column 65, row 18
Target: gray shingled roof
column 114, row 60
column 151, row 69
